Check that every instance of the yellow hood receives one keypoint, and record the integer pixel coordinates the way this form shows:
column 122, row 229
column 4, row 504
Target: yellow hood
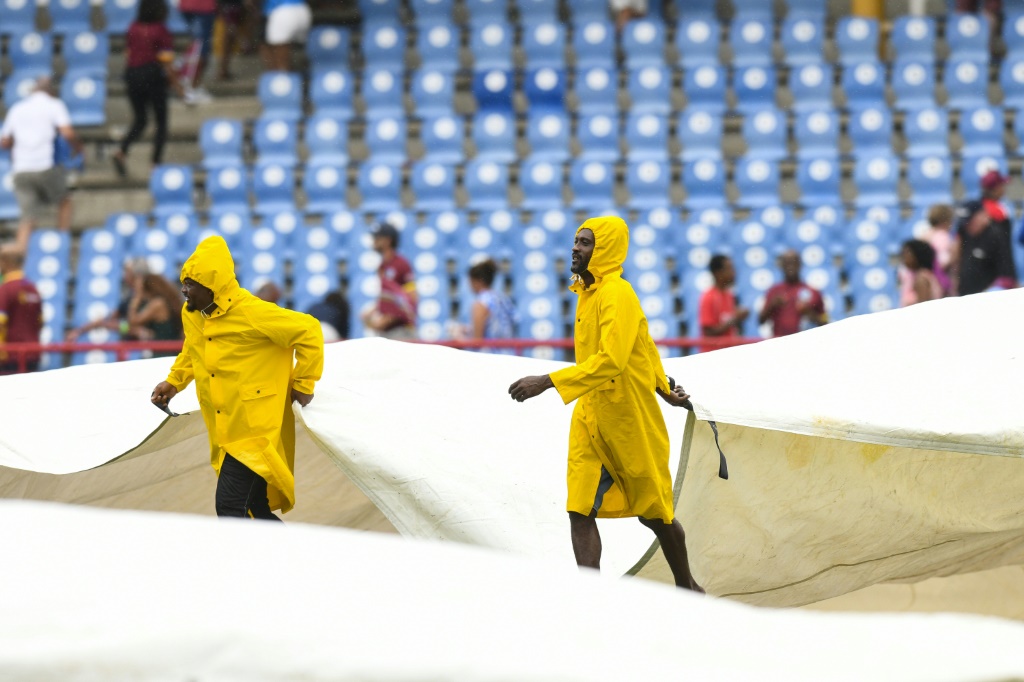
column 212, row 266
column 611, row 244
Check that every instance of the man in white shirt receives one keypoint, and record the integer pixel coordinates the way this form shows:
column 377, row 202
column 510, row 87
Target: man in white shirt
column 30, row 131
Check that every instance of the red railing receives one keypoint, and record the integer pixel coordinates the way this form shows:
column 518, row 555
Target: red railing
column 19, row 353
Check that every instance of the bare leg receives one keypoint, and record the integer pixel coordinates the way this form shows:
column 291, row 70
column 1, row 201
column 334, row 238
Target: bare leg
column 64, row 214
column 23, row 234
column 673, row 544
column 586, row 541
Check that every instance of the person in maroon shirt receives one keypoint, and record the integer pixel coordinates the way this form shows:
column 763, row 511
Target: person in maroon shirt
column 719, row 315
column 394, row 315
column 21, row 311
column 149, row 52
column 791, row 305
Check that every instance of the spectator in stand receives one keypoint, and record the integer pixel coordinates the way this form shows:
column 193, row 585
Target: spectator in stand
column 288, row 22
column 394, row 314
column 232, row 15
column 30, row 131
column 791, row 305
column 939, row 236
column 918, row 282
column 719, row 315
column 269, row 292
column 493, row 316
column 992, row 10
column 149, row 51
column 21, row 310
column 199, row 15
column 625, row 11
column 154, row 312
column 134, row 272
column 333, row 313
column 981, row 259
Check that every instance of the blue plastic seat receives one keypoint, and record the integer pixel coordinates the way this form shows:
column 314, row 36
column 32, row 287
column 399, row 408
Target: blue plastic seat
column 276, row 141
column 597, row 90
column 9, row 209
column 532, row 12
column 171, row 188
column 548, row 134
column 19, row 17
column 159, row 249
column 220, row 140
column 874, row 290
column 545, row 89
column 380, row 186
column 863, row 84
column 655, row 228
column 876, row 177
column 700, row 134
column 228, row 187
column 857, row 40
column 433, row 92
column 382, row 92
column 973, row 168
column 434, row 10
column 379, row 10
column 493, row 90
column 274, row 188
column 982, row 130
column 386, row 140
column 966, row 82
column 487, row 10
column 70, row 16
column 494, row 135
column 331, row 92
column 126, row 226
column 559, row 226
column 344, row 227
column 697, row 41
column 754, row 234
column 448, row 225
column 967, row 36
column 803, row 40
column 643, row 43
column 913, row 83
column 19, row 85
column 31, row 51
column 593, row 42
column 175, row 21
column 118, row 15
column 870, row 130
column 442, row 138
column 87, row 53
column 764, row 131
column 491, row 45
column 598, row 137
column 704, row 182
column 705, row 88
column 754, row 88
column 328, row 46
column 541, row 184
column 930, row 179
column 437, row 42
column 326, row 139
column 486, row 184
column 752, row 8
column 751, row 41
column 592, row 184
column 280, row 95
column 544, row 44
column 649, row 183
column 1013, row 31
column 232, row 224
column 1011, row 81
column 183, row 229
column 914, row 38
column 262, row 259
column 800, row 234
column 324, row 184
column 816, row 134
column 806, row 8
column 433, row 185
column 757, row 181
column 384, row 45
column 646, row 137
column 926, row 131
column 86, row 99
column 649, row 90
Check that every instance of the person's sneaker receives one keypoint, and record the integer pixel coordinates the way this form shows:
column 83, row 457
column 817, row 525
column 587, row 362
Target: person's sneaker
column 202, row 96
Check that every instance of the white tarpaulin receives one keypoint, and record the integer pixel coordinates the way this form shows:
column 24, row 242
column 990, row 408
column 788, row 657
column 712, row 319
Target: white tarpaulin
column 104, row 595
column 880, row 448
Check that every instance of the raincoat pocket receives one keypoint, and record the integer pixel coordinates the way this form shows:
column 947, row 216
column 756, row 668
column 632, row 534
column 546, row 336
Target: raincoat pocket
column 259, row 408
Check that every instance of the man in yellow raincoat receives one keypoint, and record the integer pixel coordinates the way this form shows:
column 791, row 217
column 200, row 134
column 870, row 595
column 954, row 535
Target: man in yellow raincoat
column 250, row 359
column 618, row 442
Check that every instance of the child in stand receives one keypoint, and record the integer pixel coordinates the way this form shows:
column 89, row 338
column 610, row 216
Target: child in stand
column 939, row 235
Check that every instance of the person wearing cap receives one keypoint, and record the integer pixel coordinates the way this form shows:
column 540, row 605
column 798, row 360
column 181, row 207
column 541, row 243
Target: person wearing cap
column 393, row 316
column 981, row 257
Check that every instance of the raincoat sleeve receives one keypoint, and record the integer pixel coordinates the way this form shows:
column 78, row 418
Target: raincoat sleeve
column 299, row 331
column 181, row 372
column 618, row 323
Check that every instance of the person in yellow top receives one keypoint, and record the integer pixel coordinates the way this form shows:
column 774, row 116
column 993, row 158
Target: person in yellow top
column 250, row 359
column 618, row 442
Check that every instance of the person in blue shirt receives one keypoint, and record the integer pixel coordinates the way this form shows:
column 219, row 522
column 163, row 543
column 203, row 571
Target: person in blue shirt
column 493, row 316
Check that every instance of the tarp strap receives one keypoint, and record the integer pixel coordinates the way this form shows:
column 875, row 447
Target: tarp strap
column 723, row 468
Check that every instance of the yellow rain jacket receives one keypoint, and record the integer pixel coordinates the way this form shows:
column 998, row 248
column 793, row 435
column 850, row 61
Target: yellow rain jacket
column 617, row 421
column 245, row 358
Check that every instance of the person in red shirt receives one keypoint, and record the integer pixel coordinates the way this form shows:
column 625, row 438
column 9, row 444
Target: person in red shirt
column 791, row 305
column 394, row 315
column 21, row 310
column 719, row 316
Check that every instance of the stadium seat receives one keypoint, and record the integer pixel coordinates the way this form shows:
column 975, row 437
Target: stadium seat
column 806, row 8
column 545, row 89
column 384, row 45
column 757, row 181
column 816, row 134
column 1011, row 81
column 646, row 137
column 171, row 188
column 220, row 140
column 86, row 53
column 442, row 139
column 476, row 244
column 764, row 131
column 914, row 38
column 331, row 92
column 274, row 188
column 649, row 183
column 8, row 204
column 700, row 134
column 326, row 139
column 751, row 40
column 160, row 251
column 541, row 184
column 276, row 141
column 913, row 83
column 503, row 225
column 982, row 130
column 324, row 184
column 704, row 182
column 974, row 166
column 643, row 43
column 876, row 177
column 328, row 46
column 227, row 186
column 800, row 234
column 754, row 234
column 649, row 90
column 98, row 276
column 655, row 228
column 70, row 16
column 491, row 45
column 544, row 44
column 592, row 184
column 598, row 138
column 593, row 43
column 126, row 226
column 433, row 92
column 433, row 185
column 870, row 130
column 382, row 92
column 486, row 184
column 597, row 91
column 86, row 99
column 31, row 51
column 232, row 224
column 930, row 179
column 966, row 82
column 967, row 37
column 752, row 8
column 857, row 40
column 183, row 229
column 560, row 226
column 494, row 135
column 705, row 88
column 344, row 228
column 175, row 21
column 19, row 17
column 386, row 140
column 874, row 290
column 262, row 259
column 754, row 88
column 864, row 84
column 487, row 11
column 697, row 42
column 1013, row 32
column 926, row 131
column 493, row 90
column 19, row 85
column 437, row 42
column 533, row 12
column 280, row 95
column 548, row 135
column 379, row 10
column 433, row 10
column 803, row 40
